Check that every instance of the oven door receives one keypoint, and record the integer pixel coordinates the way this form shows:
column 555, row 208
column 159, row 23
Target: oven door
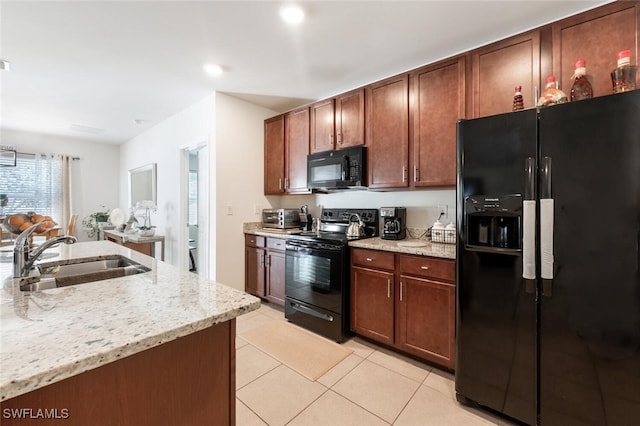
column 315, row 274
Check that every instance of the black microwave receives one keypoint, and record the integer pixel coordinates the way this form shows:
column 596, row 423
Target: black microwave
column 339, row 169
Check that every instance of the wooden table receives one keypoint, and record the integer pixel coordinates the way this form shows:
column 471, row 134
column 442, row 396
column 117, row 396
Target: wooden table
column 145, row 245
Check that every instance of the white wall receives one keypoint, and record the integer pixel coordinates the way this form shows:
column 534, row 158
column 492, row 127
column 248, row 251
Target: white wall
column 95, row 175
column 239, row 159
column 163, row 145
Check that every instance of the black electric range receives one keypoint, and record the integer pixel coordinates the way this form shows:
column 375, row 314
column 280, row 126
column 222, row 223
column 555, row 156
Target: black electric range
column 318, row 272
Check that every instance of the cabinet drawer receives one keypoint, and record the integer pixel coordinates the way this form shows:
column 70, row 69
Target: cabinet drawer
column 373, row 259
column 253, row 240
column 428, row 267
column 276, row 243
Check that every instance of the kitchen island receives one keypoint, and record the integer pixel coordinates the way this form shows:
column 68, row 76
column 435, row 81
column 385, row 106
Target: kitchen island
column 152, row 348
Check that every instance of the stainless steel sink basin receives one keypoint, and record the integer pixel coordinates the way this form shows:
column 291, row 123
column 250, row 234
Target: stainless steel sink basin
column 80, row 271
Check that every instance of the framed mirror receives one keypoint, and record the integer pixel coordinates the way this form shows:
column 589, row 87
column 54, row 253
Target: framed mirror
column 142, row 183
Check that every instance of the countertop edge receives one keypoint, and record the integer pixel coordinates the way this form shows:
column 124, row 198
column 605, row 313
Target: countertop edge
column 19, row 387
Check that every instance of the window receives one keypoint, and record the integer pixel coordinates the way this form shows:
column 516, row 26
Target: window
column 34, row 185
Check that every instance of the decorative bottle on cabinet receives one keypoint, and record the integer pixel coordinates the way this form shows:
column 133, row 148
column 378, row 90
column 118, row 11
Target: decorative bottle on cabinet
column 581, row 88
column 518, row 102
column 623, row 77
column 552, row 95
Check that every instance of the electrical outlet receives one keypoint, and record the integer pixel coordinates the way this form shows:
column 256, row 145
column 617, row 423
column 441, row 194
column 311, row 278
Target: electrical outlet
column 256, row 209
column 229, row 210
column 443, row 210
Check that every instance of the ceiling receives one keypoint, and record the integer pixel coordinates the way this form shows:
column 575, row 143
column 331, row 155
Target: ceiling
column 89, row 69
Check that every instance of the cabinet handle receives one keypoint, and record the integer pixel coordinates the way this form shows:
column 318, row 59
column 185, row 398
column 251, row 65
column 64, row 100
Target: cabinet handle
column 401, row 286
column 280, row 184
column 369, row 259
column 404, row 174
column 388, row 288
column 330, row 139
column 424, row 267
column 286, row 183
column 415, row 173
column 340, row 138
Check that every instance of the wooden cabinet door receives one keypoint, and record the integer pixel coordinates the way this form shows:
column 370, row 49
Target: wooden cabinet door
column 388, row 132
column 274, row 155
column 349, row 118
column 322, row 133
column 254, row 271
column 275, row 277
column 501, row 66
column 426, row 319
column 595, row 36
column 437, row 103
column 297, row 149
column 372, row 304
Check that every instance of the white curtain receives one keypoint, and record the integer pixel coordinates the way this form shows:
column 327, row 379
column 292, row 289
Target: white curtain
column 53, row 187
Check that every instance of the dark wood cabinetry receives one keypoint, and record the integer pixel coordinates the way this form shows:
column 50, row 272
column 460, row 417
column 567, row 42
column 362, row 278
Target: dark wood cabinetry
column 264, row 267
column 286, row 146
column 254, row 265
column 297, row 149
column 437, row 103
column 275, row 270
column 595, row 36
column 274, row 158
column 387, row 132
column 426, row 309
column 338, row 122
column 501, row 66
column 350, row 119
column 405, row 301
column 322, row 133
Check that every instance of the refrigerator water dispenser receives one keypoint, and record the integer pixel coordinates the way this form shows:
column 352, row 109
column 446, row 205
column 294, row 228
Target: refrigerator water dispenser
column 494, row 221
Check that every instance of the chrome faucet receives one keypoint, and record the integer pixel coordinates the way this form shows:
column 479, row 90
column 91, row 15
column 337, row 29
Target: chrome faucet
column 24, row 258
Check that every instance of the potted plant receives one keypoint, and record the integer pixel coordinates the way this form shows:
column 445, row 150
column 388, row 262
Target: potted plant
column 93, row 222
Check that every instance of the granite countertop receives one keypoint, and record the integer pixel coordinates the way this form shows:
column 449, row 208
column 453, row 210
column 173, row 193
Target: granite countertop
column 446, row 251
column 49, row 335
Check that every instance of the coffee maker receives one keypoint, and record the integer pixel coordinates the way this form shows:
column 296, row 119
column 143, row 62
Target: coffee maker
column 394, row 223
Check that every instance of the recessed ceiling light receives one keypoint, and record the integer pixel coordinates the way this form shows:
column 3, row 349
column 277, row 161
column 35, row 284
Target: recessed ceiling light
column 85, row 129
column 292, row 13
column 213, row 69
column 5, row 65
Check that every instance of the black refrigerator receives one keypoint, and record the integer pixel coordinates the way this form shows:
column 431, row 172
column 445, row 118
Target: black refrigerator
column 548, row 287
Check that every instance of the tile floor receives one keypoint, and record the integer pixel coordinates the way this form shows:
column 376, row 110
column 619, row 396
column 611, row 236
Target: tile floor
column 372, row 386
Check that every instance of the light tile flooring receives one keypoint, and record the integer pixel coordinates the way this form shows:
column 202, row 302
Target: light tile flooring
column 372, row 386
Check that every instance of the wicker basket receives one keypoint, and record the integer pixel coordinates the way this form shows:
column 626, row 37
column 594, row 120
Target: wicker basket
column 443, row 235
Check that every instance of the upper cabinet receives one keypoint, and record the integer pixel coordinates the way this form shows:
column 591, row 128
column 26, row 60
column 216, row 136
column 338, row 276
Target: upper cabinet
column 501, row 66
column 437, row 103
column 322, row 126
column 350, row 119
column 297, row 148
column 286, row 146
column 274, row 155
column 595, row 36
column 388, row 132
column 338, row 122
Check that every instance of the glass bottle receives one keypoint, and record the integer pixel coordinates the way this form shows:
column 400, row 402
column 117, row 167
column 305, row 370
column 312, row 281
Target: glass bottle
column 551, row 94
column 581, row 88
column 623, row 77
column 518, row 102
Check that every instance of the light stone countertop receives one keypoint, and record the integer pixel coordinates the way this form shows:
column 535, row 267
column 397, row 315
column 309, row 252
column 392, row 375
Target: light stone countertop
column 445, row 251
column 47, row 336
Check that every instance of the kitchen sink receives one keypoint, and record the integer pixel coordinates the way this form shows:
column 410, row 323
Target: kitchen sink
column 81, row 271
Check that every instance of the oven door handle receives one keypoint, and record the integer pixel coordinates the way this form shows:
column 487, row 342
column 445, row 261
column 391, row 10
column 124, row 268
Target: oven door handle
column 298, row 307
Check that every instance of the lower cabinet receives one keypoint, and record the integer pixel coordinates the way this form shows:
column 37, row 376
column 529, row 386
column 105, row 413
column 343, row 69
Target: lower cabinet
column 405, row 301
column 264, row 267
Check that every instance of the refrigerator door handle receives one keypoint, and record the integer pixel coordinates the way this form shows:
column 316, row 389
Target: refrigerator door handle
column 546, row 238
column 529, row 226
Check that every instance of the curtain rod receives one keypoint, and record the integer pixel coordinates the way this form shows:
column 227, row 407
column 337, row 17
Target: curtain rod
column 33, row 155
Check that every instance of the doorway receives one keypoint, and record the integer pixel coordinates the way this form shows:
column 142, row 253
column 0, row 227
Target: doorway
column 197, row 202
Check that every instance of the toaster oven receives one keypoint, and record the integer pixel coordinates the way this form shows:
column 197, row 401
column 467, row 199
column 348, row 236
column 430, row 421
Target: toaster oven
column 281, row 218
